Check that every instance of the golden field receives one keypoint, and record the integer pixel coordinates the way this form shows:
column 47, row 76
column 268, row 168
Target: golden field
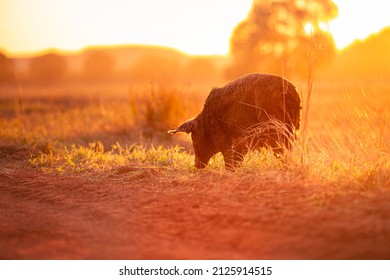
column 90, row 172
column 348, row 126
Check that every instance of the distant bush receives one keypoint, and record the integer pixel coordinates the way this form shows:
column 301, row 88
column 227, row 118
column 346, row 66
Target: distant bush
column 364, row 59
column 99, row 65
column 158, row 107
column 155, row 68
column 47, row 68
column 200, row 69
column 6, row 69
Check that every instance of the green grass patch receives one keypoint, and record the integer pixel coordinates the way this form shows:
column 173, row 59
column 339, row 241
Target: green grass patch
column 93, row 156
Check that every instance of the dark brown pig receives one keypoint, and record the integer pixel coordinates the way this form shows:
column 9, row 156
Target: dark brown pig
column 254, row 111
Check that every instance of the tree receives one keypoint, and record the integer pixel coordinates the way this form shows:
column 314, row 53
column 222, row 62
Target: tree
column 99, row 65
column 6, row 69
column 278, row 36
column 48, row 68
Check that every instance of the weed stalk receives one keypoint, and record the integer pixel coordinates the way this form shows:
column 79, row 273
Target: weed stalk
column 312, row 57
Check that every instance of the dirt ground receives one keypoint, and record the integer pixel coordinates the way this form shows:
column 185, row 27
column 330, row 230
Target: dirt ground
column 149, row 213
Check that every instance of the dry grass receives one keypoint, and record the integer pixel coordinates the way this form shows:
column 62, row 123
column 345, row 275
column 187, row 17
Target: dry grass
column 92, row 172
column 348, row 136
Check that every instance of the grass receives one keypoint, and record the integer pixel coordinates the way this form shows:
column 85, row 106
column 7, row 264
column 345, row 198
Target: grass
column 348, row 136
column 158, row 105
column 93, row 157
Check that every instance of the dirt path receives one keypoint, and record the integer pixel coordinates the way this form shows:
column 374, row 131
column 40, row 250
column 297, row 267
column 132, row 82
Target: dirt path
column 142, row 213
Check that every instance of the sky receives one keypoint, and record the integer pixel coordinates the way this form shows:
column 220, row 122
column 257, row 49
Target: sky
column 198, row 27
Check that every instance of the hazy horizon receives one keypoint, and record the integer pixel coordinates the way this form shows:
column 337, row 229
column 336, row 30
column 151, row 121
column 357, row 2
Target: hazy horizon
column 194, row 28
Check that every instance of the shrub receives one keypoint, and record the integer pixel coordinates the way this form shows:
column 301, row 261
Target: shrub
column 158, row 106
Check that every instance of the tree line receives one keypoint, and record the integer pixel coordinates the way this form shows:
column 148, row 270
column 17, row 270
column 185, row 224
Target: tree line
column 101, row 65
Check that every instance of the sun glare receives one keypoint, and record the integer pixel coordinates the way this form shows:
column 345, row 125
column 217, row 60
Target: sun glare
column 309, row 28
column 358, row 19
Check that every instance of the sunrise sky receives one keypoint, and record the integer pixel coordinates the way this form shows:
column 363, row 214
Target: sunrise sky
column 193, row 26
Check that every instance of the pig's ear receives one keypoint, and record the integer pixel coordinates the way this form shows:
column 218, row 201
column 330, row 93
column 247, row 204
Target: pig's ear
column 187, row 127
